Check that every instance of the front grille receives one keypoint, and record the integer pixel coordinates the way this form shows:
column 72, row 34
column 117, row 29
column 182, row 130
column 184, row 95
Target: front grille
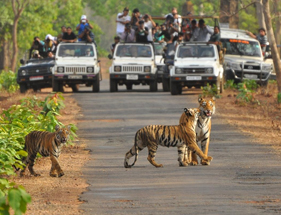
column 193, row 70
column 160, row 69
column 75, row 70
column 252, row 67
column 132, row 69
column 38, row 71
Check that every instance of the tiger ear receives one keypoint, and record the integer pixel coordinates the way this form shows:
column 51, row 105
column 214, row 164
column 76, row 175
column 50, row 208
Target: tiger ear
column 187, row 112
column 200, row 99
column 57, row 127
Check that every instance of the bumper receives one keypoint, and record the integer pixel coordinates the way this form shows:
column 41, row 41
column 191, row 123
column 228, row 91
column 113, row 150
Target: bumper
column 133, row 78
column 38, row 80
column 75, row 78
column 196, row 82
column 252, row 75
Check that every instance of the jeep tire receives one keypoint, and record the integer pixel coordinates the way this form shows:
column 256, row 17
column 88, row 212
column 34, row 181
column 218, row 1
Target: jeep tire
column 113, row 85
column 129, row 86
column 23, row 88
column 96, row 85
column 153, row 85
column 175, row 88
column 166, row 84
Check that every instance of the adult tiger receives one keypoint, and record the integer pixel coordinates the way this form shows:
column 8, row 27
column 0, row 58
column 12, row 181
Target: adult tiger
column 203, row 130
column 47, row 144
column 176, row 136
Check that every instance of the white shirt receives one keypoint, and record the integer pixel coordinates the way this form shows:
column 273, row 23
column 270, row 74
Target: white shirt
column 149, row 25
column 178, row 21
column 120, row 27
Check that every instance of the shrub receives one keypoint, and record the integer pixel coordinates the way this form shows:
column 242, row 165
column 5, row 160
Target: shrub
column 8, row 82
column 210, row 91
column 246, row 91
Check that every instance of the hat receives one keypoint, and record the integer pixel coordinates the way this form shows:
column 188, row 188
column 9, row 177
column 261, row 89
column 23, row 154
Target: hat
column 36, row 52
column 50, row 37
column 83, row 17
column 117, row 37
column 126, row 9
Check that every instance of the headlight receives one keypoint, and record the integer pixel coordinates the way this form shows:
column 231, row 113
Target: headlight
column 23, row 72
column 178, row 70
column 170, row 67
column 266, row 68
column 209, row 70
column 147, row 69
column 117, row 69
column 235, row 66
column 60, row 69
column 90, row 69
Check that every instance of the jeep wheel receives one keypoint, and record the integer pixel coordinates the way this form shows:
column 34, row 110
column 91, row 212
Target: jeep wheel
column 153, row 86
column 75, row 88
column 113, row 85
column 175, row 88
column 228, row 75
column 166, row 84
column 129, row 86
column 57, row 86
column 23, row 88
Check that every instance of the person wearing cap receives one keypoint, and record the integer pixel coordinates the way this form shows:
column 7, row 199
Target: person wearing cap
column 149, row 23
column 83, row 23
column 141, row 33
column 116, row 40
column 36, row 55
column 50, row 43
column 176, row 16
column 69, row 36
column 128, row 36
column 88, row 53
column 121, row 20
column 261, row 37
column 136, row 17
column 87, row 35
column 50, row 54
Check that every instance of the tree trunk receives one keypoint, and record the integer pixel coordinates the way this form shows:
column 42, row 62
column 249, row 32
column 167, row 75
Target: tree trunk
column 274, row 50
column 227, row 9
column 187, row 7
column 15, row 44
column 259, row 13
column 277, row 32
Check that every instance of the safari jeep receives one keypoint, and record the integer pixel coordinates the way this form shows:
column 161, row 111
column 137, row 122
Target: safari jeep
column 195, row 65
column 133, row 64
column 244, row 58
column 76, row 63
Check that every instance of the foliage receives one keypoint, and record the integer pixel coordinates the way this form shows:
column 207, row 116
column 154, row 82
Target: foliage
column 8, row 82
column 210, row 91
column 279, row 98
column 230, row 84
column 15, row 123
column 246, row 91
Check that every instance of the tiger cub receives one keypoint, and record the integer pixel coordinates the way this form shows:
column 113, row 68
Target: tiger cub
column 203, row 130
column 47, row 144
column 175, row 136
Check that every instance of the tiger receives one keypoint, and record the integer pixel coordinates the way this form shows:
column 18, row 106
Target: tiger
column 178, row 136
column 203, row 129
column 47, row 144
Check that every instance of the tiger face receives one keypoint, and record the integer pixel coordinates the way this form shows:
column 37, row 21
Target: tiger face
column 62, row 134
column 191, row 116
column 207, row 107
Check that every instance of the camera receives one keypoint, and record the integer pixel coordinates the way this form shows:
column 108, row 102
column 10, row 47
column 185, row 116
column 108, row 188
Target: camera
column 48, row 40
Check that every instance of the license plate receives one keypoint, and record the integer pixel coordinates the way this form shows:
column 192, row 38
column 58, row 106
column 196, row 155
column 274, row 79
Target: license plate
column 36, row 78
column 75, row 77
column 251, row 76
column 193, row 78
column 132, row 77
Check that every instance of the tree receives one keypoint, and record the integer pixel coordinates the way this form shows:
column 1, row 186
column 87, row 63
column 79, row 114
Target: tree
column 228, row 13
column 18, row 7
column 274, row 51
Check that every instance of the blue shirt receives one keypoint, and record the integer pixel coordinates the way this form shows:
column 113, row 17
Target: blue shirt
column 81, row 29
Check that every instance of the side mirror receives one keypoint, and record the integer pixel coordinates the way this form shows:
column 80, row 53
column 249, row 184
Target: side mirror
column 22, row 61
column 109, row 56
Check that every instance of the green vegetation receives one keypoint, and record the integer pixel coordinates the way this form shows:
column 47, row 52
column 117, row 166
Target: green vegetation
column 8, row 82
column 210, row 91
column 15, row 123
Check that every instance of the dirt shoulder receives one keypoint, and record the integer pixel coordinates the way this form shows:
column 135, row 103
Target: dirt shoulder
column 261, row 120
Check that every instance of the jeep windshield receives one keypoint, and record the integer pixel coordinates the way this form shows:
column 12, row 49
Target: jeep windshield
column 75, row 50
column 134, row 51
column 158, row 48
column 242, row 47
column 191, row 51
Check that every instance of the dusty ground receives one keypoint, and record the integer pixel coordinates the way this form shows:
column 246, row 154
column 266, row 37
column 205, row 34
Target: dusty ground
column 262, row 121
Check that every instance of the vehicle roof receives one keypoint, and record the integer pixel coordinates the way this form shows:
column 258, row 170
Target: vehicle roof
column 188, row 17
column 76, row 43
column 228, row 33
column 133, row 43
column 196, row 43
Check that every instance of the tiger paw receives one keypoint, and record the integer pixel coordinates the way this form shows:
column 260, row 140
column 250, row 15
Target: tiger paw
column 61, row 174
column 181, row 164
column 36, row 174
column 53, row 175
column 159, row 165
column 193, row 163
column 205, row 162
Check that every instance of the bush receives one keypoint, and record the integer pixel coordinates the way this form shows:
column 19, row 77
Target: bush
column 246, row 91
column 210, row 91
column 8, row 82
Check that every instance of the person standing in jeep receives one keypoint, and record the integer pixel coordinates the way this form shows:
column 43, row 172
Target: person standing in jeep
column 121, row 20
column 261, row 37
column 83, row 23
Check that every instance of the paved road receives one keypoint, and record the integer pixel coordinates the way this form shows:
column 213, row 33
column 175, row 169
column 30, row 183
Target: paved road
column 243, row 178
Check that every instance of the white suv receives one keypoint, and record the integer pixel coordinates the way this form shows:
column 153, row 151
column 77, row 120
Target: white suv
column 76, row 63
column 133, row 63
column 195, row 65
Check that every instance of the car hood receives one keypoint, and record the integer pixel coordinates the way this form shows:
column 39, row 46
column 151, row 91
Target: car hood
column 133, row 61
column 240, row 59
column 33, row 64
